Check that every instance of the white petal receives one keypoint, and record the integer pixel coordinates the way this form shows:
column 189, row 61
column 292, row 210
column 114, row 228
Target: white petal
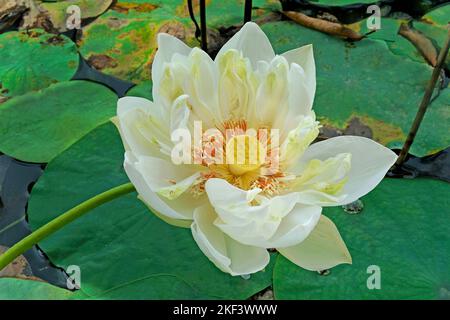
column 301, row 96
column 127, row 104
column 180, row 208
column 272, row 93
column 165, row 178
column 296, row 226
column 236, row 86
column 304, row 57
column 252, row 42
column 140, row 126
column 270, row 223
column 369, row 163
column 179, row 113
column 227, row 254
column 202, row 87
column 168, row 46
column 298, row 139
column 322, row 249
column 229, row 201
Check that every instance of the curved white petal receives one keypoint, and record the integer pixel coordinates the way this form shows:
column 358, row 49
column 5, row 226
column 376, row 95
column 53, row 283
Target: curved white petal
column 165, row 178
column 127, row 104
column 180, row 208
column 369, row 163
column 300, row 95
column 168, row 46
column 227, row 254
column 252, row 42
column 304, row 57
column 299, row 139
column 141, row 127
column 271, row 222
column 233, row 205
column 322, row 249
column 296, row 226
column 272, row 93
column 202, row 86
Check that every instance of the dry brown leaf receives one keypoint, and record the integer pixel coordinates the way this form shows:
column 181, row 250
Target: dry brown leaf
column 333, row 28
column 422, row 43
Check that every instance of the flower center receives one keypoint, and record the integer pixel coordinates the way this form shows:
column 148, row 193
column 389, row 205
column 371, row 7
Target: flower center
column 244, row 153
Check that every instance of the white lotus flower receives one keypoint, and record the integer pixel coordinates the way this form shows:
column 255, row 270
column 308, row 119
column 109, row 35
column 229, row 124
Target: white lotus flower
column 238, row 211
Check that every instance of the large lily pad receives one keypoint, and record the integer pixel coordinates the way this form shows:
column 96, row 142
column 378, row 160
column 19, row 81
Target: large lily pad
column 122, row 244
column 38, row 126
column 34, row 60
column 439, row 16
column 403, row 232
column 366, row 79
column 17, row 289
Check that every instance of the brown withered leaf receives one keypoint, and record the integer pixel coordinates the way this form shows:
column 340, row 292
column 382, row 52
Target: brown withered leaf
column 332, row 28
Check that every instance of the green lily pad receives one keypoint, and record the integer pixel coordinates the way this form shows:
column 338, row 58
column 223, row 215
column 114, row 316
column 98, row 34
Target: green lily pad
column 34, row 60
column 402, row 236
column 366, row 79
column 389, row 35
column 438, row 16
column 17, row 289
column 122, row 245
column 38, row 126
column 143, row 90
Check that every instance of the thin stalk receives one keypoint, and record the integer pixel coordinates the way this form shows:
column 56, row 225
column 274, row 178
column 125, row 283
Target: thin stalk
column 248, row 11
column 203, row 25
column 54, row 225
column 424, row 103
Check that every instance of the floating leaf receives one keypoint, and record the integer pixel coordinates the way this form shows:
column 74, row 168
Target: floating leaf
column 38, row 126
column 16, row 289
column 34, row 60
column 438, row 16
column 402, row 232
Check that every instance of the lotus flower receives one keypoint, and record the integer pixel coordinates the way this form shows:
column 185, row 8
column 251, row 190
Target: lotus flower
column 237, row 211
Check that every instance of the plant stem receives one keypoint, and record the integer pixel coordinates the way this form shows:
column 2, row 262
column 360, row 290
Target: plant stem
column 424, row 104
column 203, row 25
column 54, row 225
column 248, row 11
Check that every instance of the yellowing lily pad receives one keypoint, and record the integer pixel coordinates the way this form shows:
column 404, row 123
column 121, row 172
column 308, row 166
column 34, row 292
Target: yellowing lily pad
column 32, row 60
column 57, row 11
column 126, row 34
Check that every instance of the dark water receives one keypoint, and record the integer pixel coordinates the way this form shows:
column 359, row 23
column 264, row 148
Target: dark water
column 16, row 181
column 435, row 166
